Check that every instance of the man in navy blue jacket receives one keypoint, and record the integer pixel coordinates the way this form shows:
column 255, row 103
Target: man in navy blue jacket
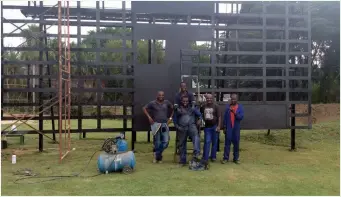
column 234, row 114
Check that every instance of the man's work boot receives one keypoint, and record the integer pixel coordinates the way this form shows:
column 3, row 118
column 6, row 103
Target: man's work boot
column 236, row 161
column 213, row 160
column 224, row 161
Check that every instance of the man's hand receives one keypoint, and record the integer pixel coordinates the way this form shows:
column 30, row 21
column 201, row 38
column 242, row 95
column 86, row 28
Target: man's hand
column 199, row 122
column 151, row 121
column 232, row 111
column 177, row 127
column 217, row 129
column 169, row 121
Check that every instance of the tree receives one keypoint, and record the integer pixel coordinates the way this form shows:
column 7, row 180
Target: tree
column 326, row 50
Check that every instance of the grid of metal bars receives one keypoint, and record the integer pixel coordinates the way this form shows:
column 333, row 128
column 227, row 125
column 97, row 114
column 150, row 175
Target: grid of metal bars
column 63, row 97
column 102, row 75
column 101, row 17
column 210, row 73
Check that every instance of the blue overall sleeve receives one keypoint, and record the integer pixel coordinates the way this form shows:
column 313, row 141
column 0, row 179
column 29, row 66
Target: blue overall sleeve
column 240, row 112
column 227, row 110
column 175, row 118
column 177, row 99
column 191, row 97
column 197, row 113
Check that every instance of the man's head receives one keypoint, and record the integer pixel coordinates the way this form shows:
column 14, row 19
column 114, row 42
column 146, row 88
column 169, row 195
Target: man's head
column 234, row 99
column 160, row 96
column 209, row 98
column 184, row 101
column 183, row 87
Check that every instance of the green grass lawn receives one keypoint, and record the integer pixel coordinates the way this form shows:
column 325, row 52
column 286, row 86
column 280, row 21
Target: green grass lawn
column 267, row 167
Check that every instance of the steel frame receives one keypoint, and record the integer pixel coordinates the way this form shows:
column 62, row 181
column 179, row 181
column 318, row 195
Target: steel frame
column 102, row 17
column 64, row 84
column 215, row 51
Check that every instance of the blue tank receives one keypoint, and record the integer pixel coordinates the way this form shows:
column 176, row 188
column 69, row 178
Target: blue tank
column 122, row 145
column 116, row 162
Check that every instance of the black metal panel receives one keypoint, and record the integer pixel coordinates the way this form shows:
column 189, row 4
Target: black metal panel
column 173, row 7
column 148, row 80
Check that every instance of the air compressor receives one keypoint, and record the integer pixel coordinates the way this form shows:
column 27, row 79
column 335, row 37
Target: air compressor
column 116, row 157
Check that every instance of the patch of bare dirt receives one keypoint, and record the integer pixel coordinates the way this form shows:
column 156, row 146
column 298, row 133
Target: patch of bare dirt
column 320, row 112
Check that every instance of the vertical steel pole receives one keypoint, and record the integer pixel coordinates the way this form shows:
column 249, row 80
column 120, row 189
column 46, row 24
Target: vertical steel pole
column 293, row 130
column 60, row 81
column 69, row 75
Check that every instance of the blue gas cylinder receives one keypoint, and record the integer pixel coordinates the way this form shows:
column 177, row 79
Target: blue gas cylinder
column 116, row 162
column 122, row 145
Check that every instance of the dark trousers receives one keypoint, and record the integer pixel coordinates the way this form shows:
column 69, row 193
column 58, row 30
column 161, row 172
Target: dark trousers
column 210, row 137
column 183, row 134
column 232, row 137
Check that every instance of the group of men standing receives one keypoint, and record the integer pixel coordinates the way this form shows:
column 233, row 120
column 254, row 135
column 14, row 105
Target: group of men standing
column 188, row 118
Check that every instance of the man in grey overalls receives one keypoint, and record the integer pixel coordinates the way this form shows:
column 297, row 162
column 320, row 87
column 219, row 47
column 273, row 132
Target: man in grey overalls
column 185, row 121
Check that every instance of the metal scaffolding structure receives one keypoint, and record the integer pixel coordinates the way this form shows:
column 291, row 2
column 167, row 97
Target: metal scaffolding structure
column 260, row 50
column 64, row 80
column 63, row 97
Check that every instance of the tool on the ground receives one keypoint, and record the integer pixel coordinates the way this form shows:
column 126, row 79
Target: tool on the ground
column 116, row 157
column 198, row 165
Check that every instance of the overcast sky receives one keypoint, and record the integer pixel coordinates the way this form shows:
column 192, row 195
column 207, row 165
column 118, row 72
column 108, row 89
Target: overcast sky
column 16, row 14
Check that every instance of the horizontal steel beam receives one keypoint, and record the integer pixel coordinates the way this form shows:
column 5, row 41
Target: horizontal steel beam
column 72, row 23
column 73, row 117
column 248, row 78
column 247, row 65
column 73, row 77
column 260, row 15
column 265, row 102
column 83, row 63
column 99, row 35
column 109, row 130
column 85, row 104
column 254, row 27
column 262, row 40
column 99, row 90
column 267, row 53
column 121, row 50
column 253, row 90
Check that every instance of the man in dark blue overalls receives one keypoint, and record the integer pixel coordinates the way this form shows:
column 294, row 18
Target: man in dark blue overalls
column 234, row 114
column 185, row 121
column 191, row 101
